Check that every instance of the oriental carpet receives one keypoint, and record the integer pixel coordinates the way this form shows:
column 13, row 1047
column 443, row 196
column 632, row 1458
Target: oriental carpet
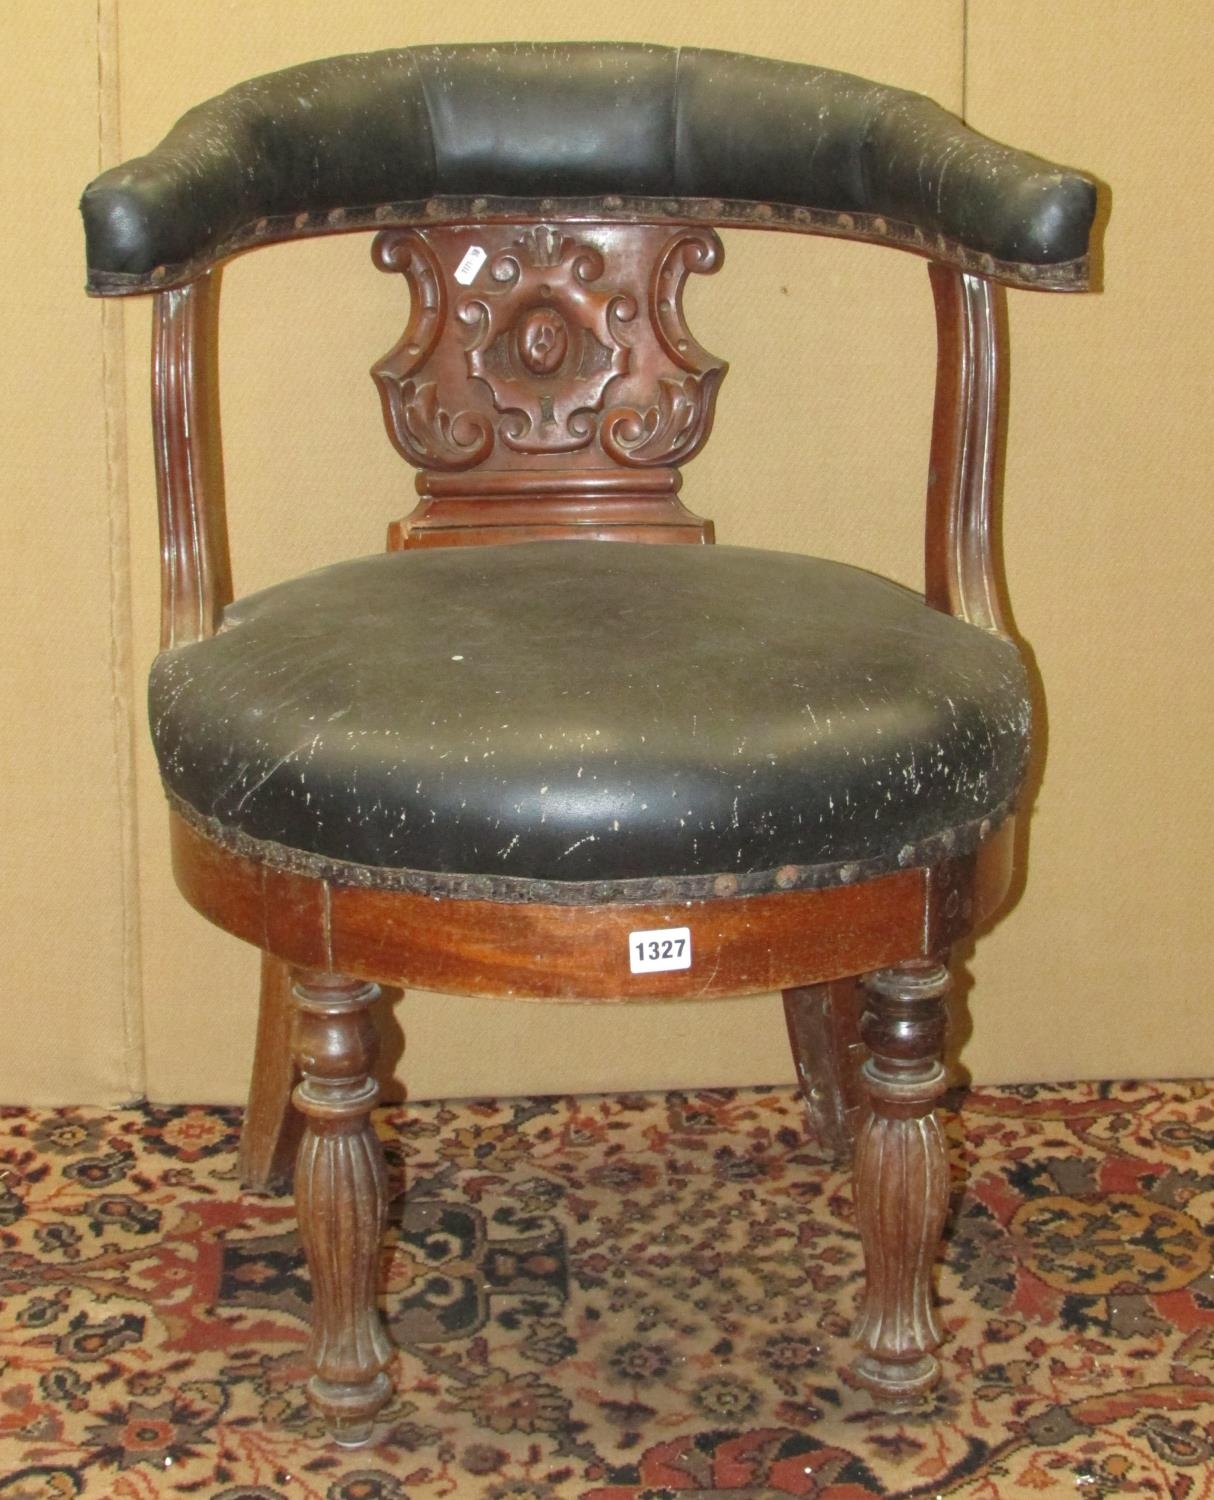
column 630, row 1297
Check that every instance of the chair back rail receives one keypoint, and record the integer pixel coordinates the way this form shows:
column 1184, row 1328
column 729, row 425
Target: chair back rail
column 591, row 130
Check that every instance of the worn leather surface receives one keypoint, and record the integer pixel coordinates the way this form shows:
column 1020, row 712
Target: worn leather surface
column 560, row 711
column 569, row 120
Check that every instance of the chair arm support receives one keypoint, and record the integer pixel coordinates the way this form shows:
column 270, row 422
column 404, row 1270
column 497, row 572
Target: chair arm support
column 961, row 551
column 195, row 567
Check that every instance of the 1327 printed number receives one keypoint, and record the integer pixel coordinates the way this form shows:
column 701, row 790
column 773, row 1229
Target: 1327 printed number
column 659, row 949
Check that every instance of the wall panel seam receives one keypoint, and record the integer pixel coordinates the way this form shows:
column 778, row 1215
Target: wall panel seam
column 117, row 476
column 965, row 59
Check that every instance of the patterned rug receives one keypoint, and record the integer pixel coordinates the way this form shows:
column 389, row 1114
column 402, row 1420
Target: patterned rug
column 623, row 1298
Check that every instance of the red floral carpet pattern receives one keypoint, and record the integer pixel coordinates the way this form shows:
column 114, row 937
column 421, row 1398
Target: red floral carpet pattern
column 624, row 1298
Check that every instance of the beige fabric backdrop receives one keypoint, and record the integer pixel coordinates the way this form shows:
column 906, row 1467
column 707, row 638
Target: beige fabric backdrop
column 115, row 987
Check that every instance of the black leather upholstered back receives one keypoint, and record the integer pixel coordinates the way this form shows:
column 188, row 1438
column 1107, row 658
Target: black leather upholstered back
column 378, row 137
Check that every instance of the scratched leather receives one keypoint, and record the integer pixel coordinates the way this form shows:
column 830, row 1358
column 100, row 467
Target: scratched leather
column 572, row 120
column 568, row 712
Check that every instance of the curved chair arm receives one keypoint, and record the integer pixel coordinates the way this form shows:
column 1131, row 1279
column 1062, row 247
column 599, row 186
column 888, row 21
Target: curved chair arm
column 442, row 133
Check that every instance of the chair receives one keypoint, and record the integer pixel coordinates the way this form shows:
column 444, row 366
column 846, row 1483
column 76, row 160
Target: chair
column 569, row 771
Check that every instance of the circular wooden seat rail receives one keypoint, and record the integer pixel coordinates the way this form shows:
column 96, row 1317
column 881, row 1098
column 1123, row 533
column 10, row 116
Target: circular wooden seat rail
column 742, row 945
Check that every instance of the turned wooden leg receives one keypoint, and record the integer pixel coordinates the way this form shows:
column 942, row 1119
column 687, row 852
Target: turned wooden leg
column 269, row 1137
column 340, row 1197
column 901, row 1179
column 824, row 1034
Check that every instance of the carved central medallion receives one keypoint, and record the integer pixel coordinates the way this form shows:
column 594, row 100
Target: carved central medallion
column 543, row 340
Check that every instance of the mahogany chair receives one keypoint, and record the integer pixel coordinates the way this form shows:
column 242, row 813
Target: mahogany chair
column 568, row 771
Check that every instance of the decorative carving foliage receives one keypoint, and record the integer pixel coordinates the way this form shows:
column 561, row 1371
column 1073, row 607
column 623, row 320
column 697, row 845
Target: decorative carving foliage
column 519, row 334
column 433, row 438
column 678, row 423
column 423, row 432
column 668, row 432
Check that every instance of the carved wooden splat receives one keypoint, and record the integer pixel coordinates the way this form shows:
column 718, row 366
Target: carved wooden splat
column 549, row 370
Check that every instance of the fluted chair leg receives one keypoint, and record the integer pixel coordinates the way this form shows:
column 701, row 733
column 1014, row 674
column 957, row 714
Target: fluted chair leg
column 901, row 1180
column 340, row 1197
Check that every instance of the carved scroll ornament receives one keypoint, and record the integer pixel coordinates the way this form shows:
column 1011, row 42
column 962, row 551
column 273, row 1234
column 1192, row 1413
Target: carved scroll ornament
column 677, row 424
column 423, row 432
column 520, row 336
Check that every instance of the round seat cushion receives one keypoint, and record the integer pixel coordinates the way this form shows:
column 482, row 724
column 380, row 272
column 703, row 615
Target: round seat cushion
column 571, row 711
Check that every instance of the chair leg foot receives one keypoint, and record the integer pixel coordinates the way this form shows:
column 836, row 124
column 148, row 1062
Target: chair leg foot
column 824, row 1034
column 349, row 1410
column 341, row 1200
column 269, row 1137
column 901, row 1181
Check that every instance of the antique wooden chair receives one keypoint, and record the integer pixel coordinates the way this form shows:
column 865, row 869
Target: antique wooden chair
column 567, row 771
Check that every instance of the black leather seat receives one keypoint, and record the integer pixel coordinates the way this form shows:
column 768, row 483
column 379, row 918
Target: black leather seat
column 561, row 712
